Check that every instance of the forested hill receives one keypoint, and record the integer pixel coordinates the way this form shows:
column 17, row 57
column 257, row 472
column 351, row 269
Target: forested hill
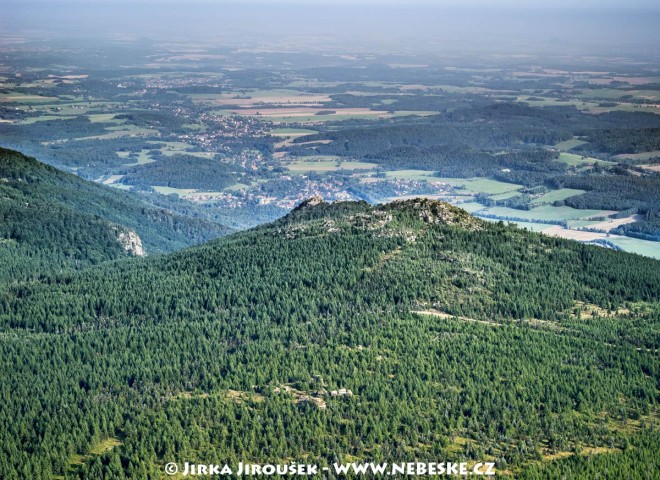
column 456, row 338
column 51, row 220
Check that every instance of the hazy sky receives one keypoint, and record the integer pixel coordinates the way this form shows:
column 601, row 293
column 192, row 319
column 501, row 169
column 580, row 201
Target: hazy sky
column 519, row 4
column 604, row 24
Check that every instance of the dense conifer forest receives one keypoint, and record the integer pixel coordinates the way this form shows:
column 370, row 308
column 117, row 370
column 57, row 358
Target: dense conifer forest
column 457, row 339
column 338, row 235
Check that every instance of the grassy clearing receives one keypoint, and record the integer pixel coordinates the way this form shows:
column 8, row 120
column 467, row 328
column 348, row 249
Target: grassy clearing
column 480, row 185
column 545, row 212
column 105, row 118
column 448, row 316
column 41, row 118
column 635, row 245
column 613, row 93
column 99, row 448
column 142, row 159
column 197, row 127
column 240, row 396
column 419, row 175
column 199, row 195
column 582, row 223
column 271, row 93
column 321, row 158
column 419, row 113
column 591, row 106
column 292, row 131
column 454, row 89
column 170, row 190
column 555, row 102
column 122, row 131
column 470, row 207
column 640, row 156
column 112, row 179
column 105, row 445
column 170, row 153
column 469, row 185
column 457, row 444
column 576, row 160
column 301, row 166
column 253, row 97
column 237, row 187
column 14, row 97
column 568, row 144
column 174, row 148
column 504, row 196
column 557, row 195
column 325, row 118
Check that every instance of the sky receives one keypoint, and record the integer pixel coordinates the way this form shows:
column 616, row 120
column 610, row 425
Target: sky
column 543, row 24
column 573, row 4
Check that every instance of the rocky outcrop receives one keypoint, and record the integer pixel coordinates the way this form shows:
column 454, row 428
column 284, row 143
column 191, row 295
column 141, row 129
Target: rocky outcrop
column 310, row 202
column 131, row 242
column 434, row 211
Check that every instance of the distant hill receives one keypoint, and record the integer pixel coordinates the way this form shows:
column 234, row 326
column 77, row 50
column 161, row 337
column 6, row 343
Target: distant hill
column 342, row 332
column 50, row 220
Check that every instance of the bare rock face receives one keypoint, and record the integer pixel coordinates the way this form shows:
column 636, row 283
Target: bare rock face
column 131, row 242
column 434, row 211
column 310, row 202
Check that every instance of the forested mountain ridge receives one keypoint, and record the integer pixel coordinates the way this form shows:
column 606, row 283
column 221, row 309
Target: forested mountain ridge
column 458, row 338
column 52, row 220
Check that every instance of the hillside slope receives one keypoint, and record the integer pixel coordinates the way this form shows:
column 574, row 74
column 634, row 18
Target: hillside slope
column 50, row 219
column 343, row 332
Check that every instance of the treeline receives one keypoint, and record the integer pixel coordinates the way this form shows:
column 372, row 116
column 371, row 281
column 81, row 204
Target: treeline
column 622, row 140
column 632, row 193
column 647, row 229
column 612, row 192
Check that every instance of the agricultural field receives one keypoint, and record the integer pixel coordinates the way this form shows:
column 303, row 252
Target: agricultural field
column 267, row 143
column 635, row 245
column 652, row 168
column 142, row 159
column 289, row 132
column 420, row 175
column 557, row 195
column 300, row 315
column 480, row 185
column 545, row 213
column 569, row 144
column 171, row 190
column 466, row 186
column 574, row 160
column 325, row 164
column 640, row 156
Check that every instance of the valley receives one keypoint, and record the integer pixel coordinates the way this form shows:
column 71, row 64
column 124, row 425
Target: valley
column 245, row 144
column 354, row 240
